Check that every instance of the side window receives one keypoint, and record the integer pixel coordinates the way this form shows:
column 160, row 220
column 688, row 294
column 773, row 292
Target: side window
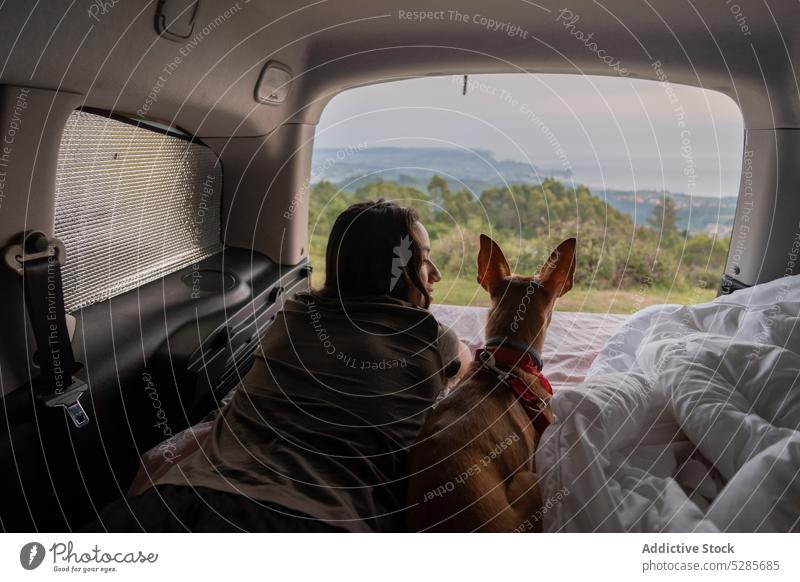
column 132, row 205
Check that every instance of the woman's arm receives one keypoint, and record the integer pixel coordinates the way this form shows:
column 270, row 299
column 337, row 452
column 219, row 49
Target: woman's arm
column 464, row 360
column 456, row 356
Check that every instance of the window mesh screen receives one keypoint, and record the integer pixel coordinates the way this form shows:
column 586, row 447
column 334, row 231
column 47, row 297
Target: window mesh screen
column 132, row 205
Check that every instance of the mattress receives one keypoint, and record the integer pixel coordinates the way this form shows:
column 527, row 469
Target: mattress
column 572, row 343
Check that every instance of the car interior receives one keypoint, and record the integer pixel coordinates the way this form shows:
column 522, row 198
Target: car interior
column 154, row 187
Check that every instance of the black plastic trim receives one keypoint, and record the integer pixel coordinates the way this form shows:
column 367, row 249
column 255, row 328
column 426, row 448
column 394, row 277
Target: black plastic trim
column 158, row 357
column 729, row 285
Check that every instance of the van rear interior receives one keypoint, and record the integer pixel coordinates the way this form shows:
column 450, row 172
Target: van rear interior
column 196, row 119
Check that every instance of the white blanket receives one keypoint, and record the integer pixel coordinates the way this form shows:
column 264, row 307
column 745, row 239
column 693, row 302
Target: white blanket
column 687, row 421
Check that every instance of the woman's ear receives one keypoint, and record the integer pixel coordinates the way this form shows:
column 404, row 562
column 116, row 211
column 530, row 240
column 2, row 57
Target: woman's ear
column 558, row 273
column 492, row 264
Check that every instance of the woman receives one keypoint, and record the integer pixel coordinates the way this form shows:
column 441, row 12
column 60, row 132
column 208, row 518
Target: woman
column 316, row 436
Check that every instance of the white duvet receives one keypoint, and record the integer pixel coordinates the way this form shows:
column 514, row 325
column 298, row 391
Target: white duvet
column 687, row 421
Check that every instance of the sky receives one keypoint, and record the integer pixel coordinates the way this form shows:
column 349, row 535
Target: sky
column 611, row 132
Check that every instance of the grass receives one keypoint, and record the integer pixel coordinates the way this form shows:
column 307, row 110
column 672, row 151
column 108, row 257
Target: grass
column 586, row 300
column 462, row 291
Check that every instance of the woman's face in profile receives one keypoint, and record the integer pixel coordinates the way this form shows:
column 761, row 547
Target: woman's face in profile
column 429, row 274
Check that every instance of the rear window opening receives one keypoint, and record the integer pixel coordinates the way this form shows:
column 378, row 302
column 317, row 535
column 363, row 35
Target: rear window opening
column 644, row 173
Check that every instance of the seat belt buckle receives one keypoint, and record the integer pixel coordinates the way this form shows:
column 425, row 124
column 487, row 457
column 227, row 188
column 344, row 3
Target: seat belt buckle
column 69, row 398
column 34, row 245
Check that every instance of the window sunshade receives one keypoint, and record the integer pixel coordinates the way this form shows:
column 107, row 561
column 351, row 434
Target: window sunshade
column 132, row 205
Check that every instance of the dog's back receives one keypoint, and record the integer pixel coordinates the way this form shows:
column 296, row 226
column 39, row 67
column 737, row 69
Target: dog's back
column 472, row 468
column 465, row 461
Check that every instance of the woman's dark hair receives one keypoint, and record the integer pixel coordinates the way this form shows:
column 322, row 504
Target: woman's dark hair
column 372, row 250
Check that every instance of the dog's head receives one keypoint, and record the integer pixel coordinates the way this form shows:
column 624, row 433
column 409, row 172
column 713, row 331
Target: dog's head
column 523, row 305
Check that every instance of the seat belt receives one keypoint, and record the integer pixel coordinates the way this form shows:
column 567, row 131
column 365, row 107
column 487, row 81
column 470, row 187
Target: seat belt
column 38, row 262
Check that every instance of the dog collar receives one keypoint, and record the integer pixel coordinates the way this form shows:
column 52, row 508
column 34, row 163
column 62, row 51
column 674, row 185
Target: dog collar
column 502, row 341
column 511, row 359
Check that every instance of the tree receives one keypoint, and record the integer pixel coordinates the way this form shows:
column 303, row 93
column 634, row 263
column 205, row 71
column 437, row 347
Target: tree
column 664, row 218
column 458, row 206
column 438, row 190
column 326, row 203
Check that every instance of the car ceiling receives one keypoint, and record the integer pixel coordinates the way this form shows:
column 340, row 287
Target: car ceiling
column 111, row 54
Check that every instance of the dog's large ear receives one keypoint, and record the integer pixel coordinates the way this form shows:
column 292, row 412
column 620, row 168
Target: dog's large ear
column 492, row 264
column 558, row 273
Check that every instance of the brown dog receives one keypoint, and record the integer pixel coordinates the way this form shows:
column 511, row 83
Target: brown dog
column 472, row 468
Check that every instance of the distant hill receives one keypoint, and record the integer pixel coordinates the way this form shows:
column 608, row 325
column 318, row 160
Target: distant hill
column 475, row 169
column 478, row 170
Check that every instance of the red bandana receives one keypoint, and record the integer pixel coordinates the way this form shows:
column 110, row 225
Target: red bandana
column 509, row 359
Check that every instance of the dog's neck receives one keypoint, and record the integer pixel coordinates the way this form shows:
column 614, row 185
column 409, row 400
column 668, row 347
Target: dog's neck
column 525, row 352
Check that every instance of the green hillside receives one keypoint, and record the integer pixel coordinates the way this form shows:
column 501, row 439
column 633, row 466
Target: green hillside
column 620, row 264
